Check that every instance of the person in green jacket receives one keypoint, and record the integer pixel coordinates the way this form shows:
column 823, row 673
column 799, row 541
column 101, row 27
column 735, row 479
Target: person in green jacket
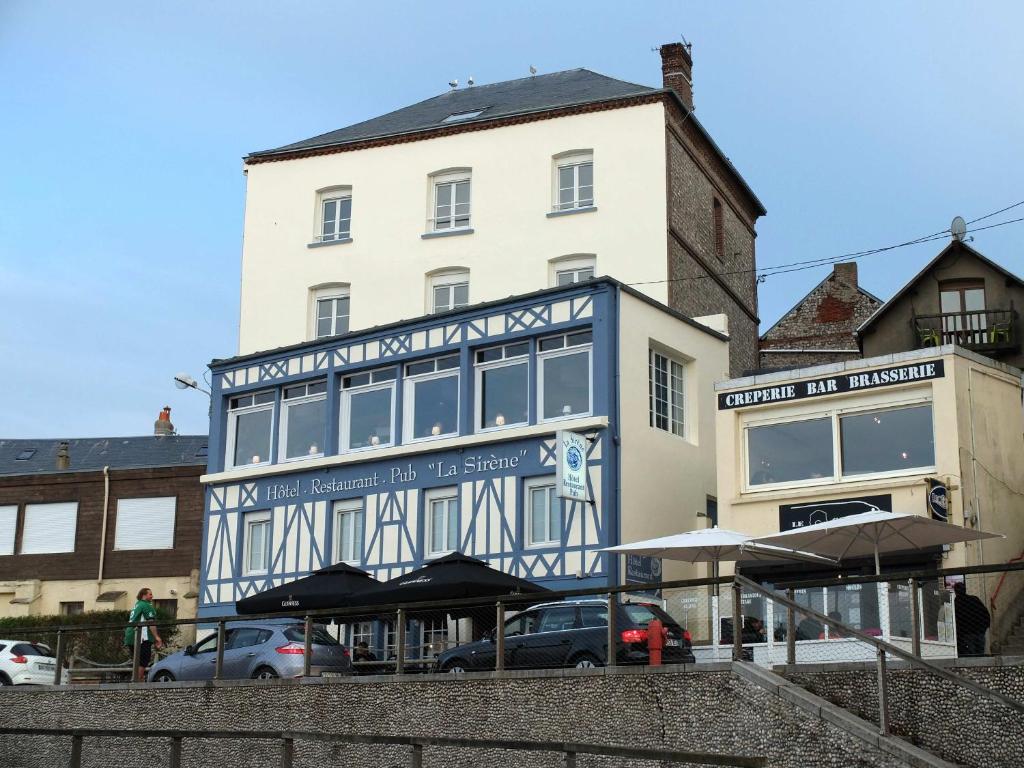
column 143, row 611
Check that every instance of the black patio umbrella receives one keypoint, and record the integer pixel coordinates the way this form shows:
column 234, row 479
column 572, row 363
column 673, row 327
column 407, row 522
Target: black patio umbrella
column 335, row 586
column 450, row 577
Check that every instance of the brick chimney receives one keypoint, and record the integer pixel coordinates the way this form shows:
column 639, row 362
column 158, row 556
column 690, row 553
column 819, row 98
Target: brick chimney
column 847, row 272
column 677, row 71
column 163, row 426
column 63, row 456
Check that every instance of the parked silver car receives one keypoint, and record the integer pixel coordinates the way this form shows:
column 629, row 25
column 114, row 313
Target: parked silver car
column 256, row 650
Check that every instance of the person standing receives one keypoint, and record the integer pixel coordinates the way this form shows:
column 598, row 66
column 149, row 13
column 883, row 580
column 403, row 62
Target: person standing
column 972, row 621
column 144, row 611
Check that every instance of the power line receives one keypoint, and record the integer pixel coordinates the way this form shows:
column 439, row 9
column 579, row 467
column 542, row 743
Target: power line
column 798, row 266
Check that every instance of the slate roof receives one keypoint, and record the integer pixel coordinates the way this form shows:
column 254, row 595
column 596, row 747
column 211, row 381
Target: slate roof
column 512, row 97
column 91, row 454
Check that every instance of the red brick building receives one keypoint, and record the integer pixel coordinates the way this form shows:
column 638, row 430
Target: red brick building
column 821, row 327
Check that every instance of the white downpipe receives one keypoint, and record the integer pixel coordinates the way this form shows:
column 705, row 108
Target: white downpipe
column 103, row 529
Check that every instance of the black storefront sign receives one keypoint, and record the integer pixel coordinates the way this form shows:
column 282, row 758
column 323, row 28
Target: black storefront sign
column 793, row 516
column 830, row 385
column 938, row 500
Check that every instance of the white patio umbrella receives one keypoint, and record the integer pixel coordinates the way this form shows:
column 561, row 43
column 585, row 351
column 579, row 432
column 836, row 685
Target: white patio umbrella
column 872, row 533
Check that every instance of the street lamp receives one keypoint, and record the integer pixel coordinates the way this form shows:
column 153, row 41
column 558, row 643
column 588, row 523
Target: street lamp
column 184, row 381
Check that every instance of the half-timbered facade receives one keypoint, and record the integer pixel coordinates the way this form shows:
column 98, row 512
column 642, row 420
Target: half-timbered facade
column 388, row 447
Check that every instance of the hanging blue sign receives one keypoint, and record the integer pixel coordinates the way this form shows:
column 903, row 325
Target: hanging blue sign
column 938, row 500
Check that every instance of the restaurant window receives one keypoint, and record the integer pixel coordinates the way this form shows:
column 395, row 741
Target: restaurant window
column 303, row 420
column 435, row 636
column 543, row 514
column 442, row 529
column 250, row 422
column 362, row 632
column 256, row 543
column 348, row 531
column 666, row 393
column 889, row 440
column 503, row 386
column 841, row 444
column 789, row 452
column 368, row 409
column 564, row 369
column 431, row 390
column 73, row 608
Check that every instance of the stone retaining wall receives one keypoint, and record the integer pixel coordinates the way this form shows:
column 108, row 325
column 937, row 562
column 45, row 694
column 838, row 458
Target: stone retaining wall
column 706, row 711
column 936, row 715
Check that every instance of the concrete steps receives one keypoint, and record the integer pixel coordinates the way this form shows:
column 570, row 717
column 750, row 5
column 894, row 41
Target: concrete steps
column 859, row 728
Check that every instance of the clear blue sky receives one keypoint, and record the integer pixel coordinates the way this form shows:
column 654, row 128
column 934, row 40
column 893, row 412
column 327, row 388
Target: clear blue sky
column 123, row 126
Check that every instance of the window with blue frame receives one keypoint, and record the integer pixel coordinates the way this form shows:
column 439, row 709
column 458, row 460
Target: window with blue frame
column 503, row 386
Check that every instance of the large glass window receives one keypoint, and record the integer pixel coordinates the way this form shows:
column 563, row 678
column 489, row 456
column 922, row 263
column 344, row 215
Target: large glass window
column 564, row 363
column 332, row 315
column 451, row 201
column 432, row 398
column 368, row 411
column 348, row 531
column 666, row 391
column 887, row 441
column 791, row 451
column 442, row 522
column 250, row 422
column 256, row 542
column 543, row 515
column 303, row 420
column 503, row 386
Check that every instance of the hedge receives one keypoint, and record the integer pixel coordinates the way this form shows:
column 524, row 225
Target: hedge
column 103, row 646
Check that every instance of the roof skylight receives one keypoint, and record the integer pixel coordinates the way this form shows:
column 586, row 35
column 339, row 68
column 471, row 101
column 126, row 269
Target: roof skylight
column 460, row 116
column 26, row 454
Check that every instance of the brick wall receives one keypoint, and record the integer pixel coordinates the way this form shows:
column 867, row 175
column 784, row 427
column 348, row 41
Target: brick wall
column 87, row 489
column 826, row 319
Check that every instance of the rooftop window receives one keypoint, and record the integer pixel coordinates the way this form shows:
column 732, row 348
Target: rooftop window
column 460, row 116
column 26, row 455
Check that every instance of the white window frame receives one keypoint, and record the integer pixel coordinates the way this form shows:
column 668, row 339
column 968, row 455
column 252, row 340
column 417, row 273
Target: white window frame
column 250, row 520
column 332, row 294
column 873, row 404
column 449, row 178
column 8, row 528
column 323, row 197
column 286, row 405
column 672, row 393
column 445, row 496
column 409, row 382
column 571, row 265
column 478, row 378
column 346, row 411
column 564, row 351
column 233, row 413
column 354, row 508
column 432, row 632
column 362, row 632
column 529, row 487
column 138, row 513
column 574, row 160
column 448, row 279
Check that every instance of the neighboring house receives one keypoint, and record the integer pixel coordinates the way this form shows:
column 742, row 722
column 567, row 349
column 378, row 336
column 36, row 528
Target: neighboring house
column 492, row 190
column 961, row 297
column 802, row 446
column 395, row 445
column 85, row 524
column 822, row 326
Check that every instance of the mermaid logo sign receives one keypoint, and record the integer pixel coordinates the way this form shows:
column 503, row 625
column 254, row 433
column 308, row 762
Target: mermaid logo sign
column 571, row 465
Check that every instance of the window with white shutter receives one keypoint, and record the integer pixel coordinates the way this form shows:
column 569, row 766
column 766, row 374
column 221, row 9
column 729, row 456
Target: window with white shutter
column 8, row 524
column 145, row 523
column 49, row 528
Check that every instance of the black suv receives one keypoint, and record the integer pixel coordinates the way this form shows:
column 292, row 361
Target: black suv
column 573, row 633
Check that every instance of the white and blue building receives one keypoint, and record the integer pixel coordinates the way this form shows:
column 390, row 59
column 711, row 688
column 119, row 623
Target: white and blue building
column 390, row 446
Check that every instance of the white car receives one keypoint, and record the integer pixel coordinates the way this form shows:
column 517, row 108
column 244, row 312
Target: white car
column 25, row 663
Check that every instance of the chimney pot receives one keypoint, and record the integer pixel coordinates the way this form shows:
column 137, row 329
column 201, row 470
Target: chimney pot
column 163, row 426
column 63, row 456
column 847, row 272
column 677, row 71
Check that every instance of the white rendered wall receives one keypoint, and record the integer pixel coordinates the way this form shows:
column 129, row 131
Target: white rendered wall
column 513, row 239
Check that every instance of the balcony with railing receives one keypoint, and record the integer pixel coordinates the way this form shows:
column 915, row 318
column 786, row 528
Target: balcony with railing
column 984, row 330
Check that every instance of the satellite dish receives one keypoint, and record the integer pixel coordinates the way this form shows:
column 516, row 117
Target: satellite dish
column 958, row 228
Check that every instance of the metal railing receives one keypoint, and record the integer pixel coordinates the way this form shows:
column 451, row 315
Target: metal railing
column 286, row 741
